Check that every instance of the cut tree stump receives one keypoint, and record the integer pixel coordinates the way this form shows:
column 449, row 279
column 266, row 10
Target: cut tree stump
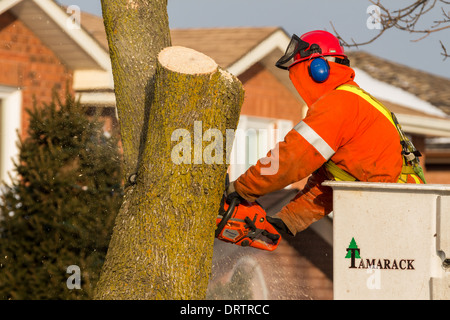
column 162, row 244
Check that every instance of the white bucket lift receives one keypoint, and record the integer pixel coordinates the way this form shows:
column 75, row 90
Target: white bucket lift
column 391, row 241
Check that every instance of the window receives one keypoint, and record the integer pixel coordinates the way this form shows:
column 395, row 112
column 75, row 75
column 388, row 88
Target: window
column 254, row 137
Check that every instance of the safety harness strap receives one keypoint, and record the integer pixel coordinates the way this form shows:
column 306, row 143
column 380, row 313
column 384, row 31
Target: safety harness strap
column 338, row 173
column 414, row 170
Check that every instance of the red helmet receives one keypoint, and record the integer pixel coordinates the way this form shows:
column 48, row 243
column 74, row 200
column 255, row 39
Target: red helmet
column 312, row 44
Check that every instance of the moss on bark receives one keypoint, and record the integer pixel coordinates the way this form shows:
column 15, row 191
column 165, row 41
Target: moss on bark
column 137, row 30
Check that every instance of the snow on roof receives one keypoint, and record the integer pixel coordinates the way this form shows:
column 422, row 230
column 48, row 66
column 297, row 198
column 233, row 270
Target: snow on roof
column 388, row 92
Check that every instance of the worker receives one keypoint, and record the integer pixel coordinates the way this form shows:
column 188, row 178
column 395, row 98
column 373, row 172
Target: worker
column 346, row 135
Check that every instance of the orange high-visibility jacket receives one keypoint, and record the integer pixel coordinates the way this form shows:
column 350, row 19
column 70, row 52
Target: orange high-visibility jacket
column 339, row 126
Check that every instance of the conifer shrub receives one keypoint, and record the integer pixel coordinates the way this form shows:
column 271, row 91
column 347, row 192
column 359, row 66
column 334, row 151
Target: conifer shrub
column 57, row 215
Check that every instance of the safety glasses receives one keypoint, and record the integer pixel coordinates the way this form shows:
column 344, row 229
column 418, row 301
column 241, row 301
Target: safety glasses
column 296, row 46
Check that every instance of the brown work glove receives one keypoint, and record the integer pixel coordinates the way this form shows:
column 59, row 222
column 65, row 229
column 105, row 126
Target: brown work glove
column 279, row 225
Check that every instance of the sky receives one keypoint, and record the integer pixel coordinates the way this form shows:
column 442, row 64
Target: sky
column 349, row 17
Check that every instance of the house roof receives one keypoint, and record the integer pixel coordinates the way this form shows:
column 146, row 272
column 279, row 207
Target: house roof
column 233, row 48
column 72, row 43
column 237, row 49
column 226, row 45
column 59, row 30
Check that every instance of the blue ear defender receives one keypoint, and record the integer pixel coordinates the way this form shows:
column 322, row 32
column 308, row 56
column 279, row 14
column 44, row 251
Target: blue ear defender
column 319, row 70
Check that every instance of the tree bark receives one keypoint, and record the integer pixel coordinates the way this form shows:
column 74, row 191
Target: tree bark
column 137, row 30
column 162, row 243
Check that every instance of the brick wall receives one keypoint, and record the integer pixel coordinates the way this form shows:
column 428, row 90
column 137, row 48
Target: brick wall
column 26, row 63
column 437, row 174
column 266, row 97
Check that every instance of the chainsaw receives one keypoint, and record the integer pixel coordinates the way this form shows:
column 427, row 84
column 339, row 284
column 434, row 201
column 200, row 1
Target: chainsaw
column 244, row 223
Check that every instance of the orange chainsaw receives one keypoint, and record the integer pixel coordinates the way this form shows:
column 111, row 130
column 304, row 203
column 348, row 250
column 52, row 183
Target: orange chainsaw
column 245, row 224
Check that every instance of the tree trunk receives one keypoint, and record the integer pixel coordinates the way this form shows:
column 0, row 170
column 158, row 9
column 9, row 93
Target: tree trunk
column 137, row 30
column 162, row 244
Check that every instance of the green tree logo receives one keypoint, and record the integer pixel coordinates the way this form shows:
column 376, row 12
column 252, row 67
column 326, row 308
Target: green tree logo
column 353, row 253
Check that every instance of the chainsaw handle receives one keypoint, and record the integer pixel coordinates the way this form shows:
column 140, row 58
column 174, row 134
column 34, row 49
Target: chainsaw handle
column 226, row 216
column 272, row 234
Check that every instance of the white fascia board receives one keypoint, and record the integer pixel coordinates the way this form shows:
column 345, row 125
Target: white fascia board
column 424, row 125
column 79, row 35
column 5, row 5
column 278, row 39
